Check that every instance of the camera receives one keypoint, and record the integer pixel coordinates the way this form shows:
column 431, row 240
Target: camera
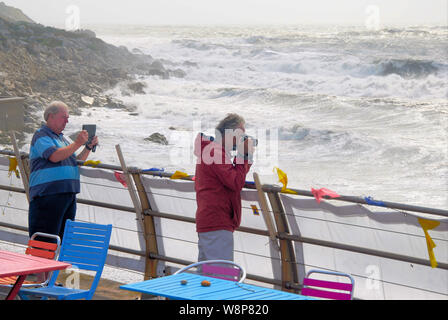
column 206, row 137
column 255, row 140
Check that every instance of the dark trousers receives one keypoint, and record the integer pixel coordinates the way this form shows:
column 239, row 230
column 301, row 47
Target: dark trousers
column 49, row 213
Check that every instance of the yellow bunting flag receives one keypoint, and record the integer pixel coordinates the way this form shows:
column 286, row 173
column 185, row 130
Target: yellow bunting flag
column 178, row 175
column 13, row 167
column 429, row 225
column 92, row 163
column 283, row 179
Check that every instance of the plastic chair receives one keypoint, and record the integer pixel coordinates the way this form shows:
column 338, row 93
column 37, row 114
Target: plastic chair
column 85, row 246
column 328, row 286
column 226, row 273
column 41, row 249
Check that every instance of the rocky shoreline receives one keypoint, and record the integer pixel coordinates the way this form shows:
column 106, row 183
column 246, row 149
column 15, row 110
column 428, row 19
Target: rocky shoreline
column 43, row 64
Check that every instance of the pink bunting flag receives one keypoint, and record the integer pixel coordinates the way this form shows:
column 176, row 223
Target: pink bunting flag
column 318, row 194
column 119, row 176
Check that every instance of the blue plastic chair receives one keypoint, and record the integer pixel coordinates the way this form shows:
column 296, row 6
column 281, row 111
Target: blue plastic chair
column 85, row 246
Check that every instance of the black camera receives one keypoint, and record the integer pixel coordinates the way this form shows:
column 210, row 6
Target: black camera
column 206, row 137
column 255, row 140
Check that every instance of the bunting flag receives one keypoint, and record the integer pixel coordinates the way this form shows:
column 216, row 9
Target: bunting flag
column 429, row 225
column 153, row 169
column 178, row 175
column 255, row 210
column 371, row 201
column 318, row 194
column 13, row 167
column 283, row 179
column 120, row 177
column 92, row 163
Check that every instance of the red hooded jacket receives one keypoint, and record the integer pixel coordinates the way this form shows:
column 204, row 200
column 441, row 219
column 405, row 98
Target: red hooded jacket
column 218, row 185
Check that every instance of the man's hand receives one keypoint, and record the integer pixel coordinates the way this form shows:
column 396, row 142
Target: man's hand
column 246, row 149
column 94, row 142
column 82, row 138
column 246, row 146
column 249, row 147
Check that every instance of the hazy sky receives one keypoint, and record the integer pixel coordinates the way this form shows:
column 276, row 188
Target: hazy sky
column 356, row 12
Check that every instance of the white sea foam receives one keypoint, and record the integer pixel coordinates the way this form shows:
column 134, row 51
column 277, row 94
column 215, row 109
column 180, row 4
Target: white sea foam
column 359, row 112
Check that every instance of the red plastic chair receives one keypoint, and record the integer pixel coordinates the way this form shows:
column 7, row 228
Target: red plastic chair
column 328, row 289
column 41, row 249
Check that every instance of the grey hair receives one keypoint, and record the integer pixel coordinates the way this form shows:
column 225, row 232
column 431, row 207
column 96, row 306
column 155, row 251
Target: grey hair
column 231, row 121
column 53, row 108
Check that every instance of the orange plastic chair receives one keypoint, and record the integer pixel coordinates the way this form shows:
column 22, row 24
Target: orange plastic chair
column 40, row 249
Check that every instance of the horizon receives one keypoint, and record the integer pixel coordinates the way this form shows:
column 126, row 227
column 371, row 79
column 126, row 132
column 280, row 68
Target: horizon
column 377, row 13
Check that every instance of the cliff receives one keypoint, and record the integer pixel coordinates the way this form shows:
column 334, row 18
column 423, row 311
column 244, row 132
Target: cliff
column 43, row 64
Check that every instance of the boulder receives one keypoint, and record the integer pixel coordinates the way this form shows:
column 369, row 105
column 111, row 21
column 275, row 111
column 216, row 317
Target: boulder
column 137, row 87
column 87, row 100
column 157, row 138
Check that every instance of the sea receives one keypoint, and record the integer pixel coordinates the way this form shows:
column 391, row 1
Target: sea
column 360, row 112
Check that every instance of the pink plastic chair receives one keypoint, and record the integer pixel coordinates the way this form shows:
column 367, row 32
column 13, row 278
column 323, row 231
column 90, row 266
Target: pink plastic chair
column 210, row 269
column 325, row 289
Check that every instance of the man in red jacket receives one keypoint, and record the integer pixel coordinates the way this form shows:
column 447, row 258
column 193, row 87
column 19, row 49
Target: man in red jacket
column 218, row 185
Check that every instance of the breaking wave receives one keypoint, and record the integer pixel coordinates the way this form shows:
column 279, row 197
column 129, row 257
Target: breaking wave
column 408, row 68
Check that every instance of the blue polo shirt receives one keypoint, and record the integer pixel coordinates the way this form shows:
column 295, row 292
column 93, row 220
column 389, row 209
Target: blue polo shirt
column 47, row 177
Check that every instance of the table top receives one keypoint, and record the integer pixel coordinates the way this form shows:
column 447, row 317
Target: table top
column 15, row 264
column 171, row 287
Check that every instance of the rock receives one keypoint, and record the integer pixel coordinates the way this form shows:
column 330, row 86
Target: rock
column 60, row 51
column 87, row 100
column 8, row 84
column 114, row 103
column 178, row 73
column 157, row 69
column 157, row 138
column 137, row 51
column 85, row 32
column 137, row 87
column 190, row 64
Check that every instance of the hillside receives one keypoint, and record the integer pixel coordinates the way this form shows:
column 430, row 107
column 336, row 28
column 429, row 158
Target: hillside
column 44, row 63
column 13, row 14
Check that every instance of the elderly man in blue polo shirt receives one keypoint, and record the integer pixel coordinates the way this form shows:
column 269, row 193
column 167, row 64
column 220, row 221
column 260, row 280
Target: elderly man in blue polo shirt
column 54, row 178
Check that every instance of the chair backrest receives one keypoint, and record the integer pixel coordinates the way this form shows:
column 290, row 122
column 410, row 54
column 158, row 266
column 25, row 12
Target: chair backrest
column 209, row 268
column 43, row 249
column 326, row 289
column 85, row 246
